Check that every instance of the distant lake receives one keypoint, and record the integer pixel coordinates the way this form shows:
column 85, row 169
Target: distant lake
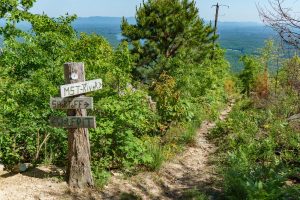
column 119, row 36
column 237, row 37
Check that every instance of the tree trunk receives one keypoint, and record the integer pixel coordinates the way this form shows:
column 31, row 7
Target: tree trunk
column 79, row 173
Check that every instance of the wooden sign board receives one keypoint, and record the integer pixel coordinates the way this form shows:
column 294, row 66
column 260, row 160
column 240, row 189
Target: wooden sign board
column 80, row 88
column 73, row 122
column 71, row 103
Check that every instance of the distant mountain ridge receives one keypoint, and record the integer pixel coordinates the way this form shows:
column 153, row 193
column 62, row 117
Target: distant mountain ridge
column 117, row 20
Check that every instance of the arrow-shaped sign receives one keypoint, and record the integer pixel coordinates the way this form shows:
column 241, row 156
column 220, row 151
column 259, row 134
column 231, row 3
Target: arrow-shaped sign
column 71, row 103
column 80, row 88
column 86, row 104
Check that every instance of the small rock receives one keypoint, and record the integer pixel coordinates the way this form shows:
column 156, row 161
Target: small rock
column 116, row 174
column 24, row 166
column 289, row 183
column 1, row 167
column 21, row 167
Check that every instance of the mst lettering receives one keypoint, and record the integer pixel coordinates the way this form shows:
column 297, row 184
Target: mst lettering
column 80, row 88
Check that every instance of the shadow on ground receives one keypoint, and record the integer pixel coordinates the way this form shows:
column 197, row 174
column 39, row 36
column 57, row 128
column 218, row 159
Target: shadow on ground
column 49, row 172
column 202, row 191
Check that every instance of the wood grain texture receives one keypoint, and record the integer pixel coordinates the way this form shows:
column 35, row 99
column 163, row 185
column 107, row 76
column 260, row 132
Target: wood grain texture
column 71, row 103
column 73, row 122
column 79, row 174
column 75, row 89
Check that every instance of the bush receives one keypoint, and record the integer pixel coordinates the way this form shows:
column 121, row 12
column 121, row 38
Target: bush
column 122, row 121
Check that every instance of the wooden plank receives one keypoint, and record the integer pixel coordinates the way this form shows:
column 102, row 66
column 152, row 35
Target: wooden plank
column 80, row 88
column 71, row 103
column 73, row 122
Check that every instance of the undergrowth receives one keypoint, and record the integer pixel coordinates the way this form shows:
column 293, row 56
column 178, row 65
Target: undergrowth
column 259, row 152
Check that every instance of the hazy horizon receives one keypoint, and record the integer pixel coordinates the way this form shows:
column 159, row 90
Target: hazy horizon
column 238, row 11
column 256, row 22
column 132, row 17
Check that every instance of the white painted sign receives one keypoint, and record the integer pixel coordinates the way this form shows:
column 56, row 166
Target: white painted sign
column 80, row 88
column 71, row 103
column 73, row 122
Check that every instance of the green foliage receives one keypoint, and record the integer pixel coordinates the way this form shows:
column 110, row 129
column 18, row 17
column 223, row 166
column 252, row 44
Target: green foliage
column 169, row 105
column 131, row 132
column 129, row 196
column 262, row 153
column 122, row 121
column 260, row 146
column 254, row 76
column 163, row 29
column 156, row 151
column 29, row 76
column 31, row 71
column 194, row 194
column 289, row 74
column 203, row 85
column 101, row 176
column 249, row 74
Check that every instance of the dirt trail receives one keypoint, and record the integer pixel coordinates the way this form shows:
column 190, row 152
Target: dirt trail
column 191, row 170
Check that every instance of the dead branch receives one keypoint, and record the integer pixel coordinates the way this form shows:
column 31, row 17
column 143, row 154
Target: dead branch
column 283, row 20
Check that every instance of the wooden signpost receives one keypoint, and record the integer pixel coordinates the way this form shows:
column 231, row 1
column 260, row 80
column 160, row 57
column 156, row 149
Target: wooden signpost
column 79, row 173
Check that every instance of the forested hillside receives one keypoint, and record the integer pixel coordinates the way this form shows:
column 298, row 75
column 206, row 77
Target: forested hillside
column 167, row 77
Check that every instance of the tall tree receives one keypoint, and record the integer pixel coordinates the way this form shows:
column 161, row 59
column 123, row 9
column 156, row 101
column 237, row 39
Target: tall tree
column 163, row 28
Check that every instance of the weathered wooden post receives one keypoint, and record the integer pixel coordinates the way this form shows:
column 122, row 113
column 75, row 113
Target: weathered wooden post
column 79, row 173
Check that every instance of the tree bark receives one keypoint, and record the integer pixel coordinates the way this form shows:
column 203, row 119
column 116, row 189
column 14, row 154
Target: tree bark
column 79, row 175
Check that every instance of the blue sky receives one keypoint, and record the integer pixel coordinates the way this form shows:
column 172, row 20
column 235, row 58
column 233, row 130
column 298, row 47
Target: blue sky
column 240, row 10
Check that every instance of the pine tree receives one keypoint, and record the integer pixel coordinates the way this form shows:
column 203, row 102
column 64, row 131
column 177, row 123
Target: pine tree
column 164, row 28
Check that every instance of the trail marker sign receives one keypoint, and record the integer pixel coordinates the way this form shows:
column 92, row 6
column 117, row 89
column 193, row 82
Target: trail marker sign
column 80, row 88
column 73, row 122
column 72, row 103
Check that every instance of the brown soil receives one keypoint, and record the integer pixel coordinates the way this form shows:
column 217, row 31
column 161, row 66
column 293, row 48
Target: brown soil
column 190, row 172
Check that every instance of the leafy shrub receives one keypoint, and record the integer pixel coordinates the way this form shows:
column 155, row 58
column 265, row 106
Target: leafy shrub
column 122, row 121
column 249, row 74
column 156, row 152
column 169, row 104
